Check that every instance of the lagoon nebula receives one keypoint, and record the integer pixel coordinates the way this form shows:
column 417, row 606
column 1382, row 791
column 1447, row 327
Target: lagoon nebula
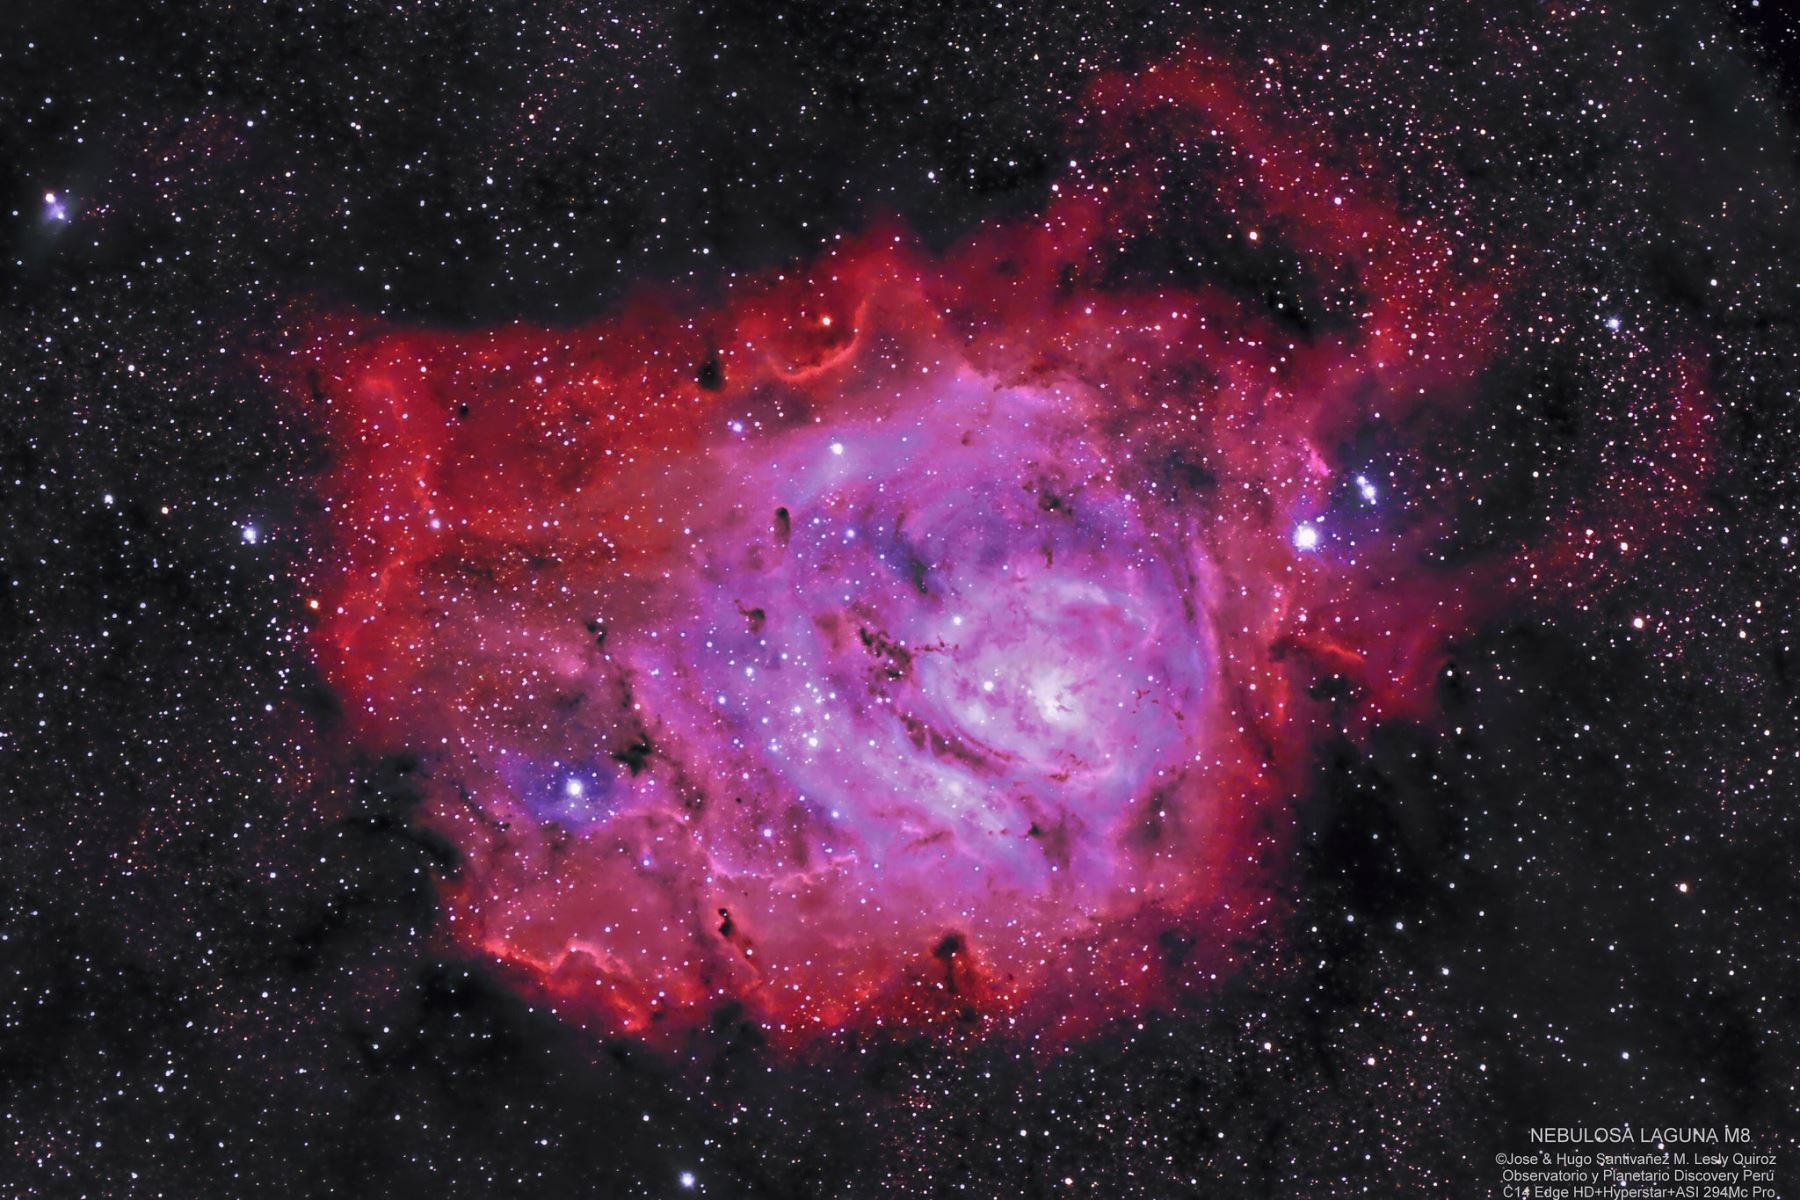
column 908, row 636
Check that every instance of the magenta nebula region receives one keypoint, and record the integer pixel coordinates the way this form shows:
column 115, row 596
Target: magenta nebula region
column 908, row 638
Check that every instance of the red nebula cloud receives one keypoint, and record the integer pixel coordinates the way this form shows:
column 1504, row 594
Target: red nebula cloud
column 907, row 638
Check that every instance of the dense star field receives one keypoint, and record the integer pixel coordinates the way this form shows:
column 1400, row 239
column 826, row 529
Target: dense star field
column 1088, row 601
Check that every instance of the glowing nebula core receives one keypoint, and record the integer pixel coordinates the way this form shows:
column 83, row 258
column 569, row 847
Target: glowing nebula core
column 908, row 638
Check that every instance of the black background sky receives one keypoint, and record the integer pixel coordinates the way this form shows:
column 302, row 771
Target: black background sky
column 1575, row 894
